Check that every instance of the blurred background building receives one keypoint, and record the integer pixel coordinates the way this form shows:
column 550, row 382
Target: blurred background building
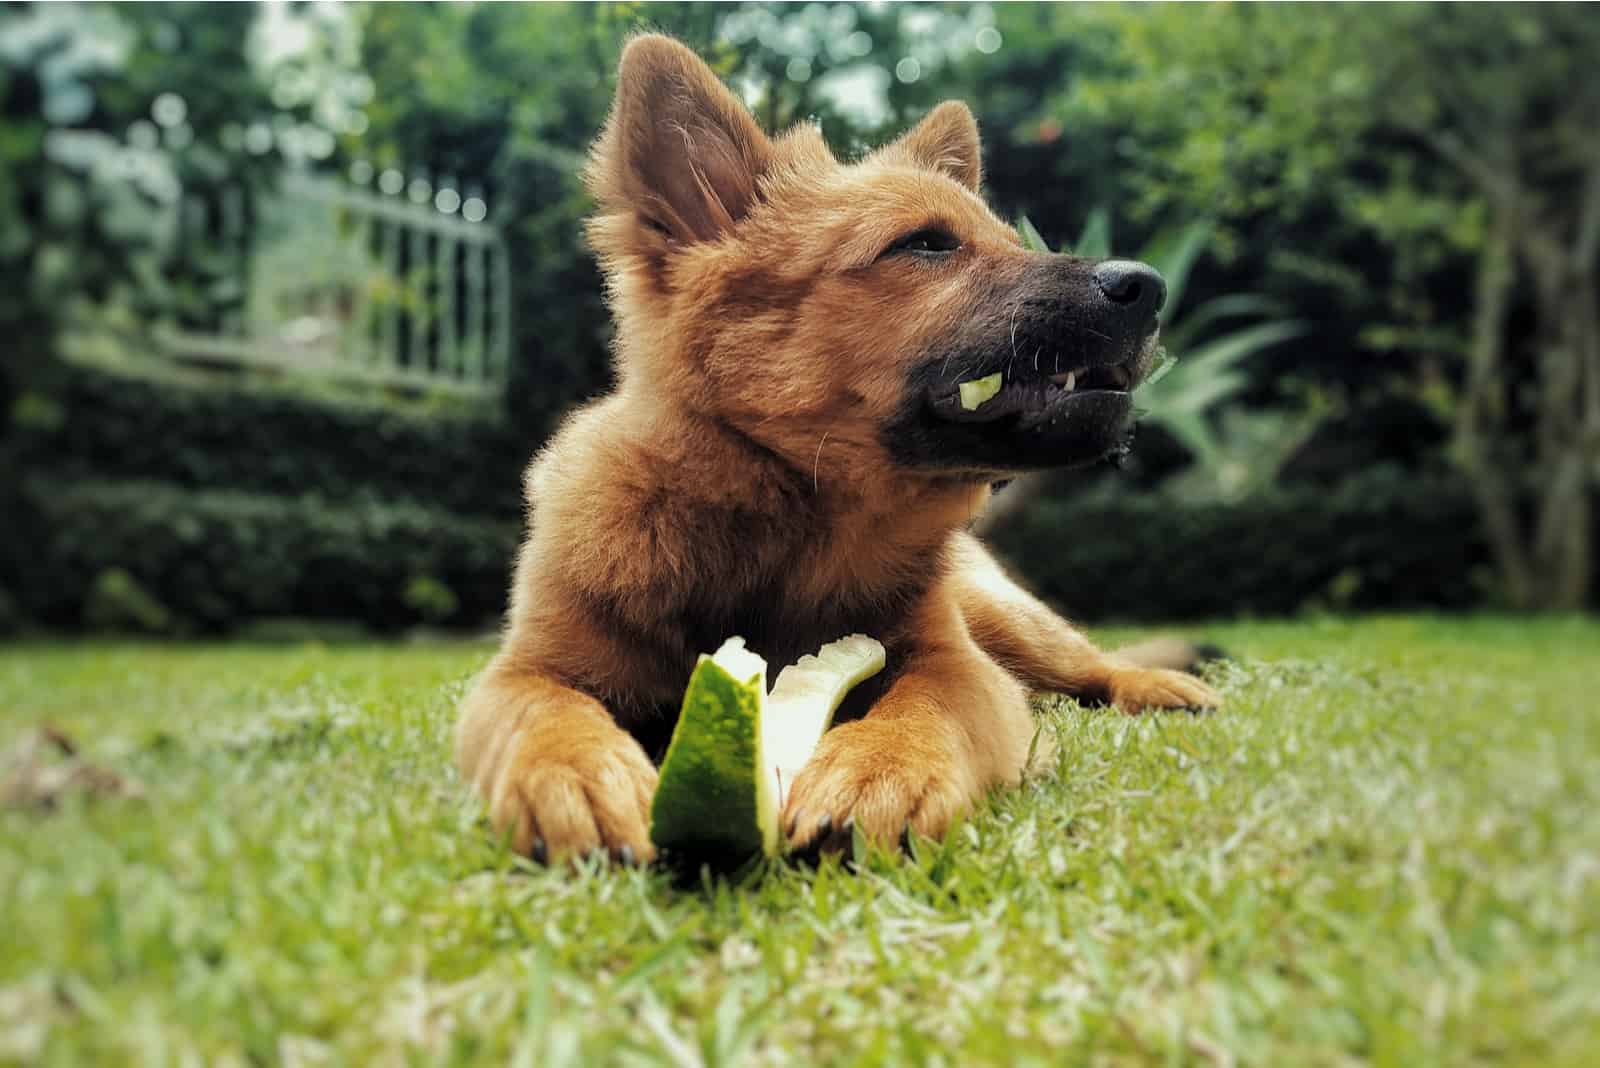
column 289, row 293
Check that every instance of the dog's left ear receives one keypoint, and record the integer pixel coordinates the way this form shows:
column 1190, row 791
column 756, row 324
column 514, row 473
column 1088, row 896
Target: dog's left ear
column 946, row 140
column 679, row 149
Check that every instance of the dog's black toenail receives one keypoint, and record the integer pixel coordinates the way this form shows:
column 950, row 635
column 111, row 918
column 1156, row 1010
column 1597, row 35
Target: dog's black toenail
column 824, row 825
column 540, row 854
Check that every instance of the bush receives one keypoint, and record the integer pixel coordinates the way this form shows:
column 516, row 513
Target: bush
column 1385, row 541
column 86, row 424
column 157, row 557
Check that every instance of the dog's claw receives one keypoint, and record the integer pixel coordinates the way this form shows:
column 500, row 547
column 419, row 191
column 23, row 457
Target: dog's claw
column 539, row 852
column 625, row 855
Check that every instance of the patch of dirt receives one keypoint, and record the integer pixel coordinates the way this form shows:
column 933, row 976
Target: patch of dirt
column 44, row 768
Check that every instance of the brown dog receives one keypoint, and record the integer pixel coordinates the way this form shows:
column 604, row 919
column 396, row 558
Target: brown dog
column 785, row 457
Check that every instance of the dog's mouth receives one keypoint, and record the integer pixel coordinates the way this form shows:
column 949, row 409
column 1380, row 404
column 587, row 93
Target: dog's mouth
column 1033, row 400
column 1002, row 414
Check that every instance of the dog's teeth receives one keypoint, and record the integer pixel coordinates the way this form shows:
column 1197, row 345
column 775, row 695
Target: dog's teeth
column 1066, row 381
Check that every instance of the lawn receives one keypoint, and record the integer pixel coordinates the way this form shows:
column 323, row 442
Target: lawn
column 1386, row 850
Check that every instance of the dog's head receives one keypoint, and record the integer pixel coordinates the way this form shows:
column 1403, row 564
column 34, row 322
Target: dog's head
column 813, row 304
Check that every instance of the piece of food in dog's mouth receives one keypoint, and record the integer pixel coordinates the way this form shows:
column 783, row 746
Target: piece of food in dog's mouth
column 736, row 748
column 1034, row 397
column 979, row 390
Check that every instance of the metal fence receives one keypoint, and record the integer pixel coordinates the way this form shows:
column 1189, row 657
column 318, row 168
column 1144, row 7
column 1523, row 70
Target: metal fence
column 403, row 285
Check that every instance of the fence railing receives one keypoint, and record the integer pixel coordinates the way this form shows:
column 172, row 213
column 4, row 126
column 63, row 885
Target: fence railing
column 409, row 287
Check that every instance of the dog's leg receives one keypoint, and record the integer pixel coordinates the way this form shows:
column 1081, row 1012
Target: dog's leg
column 1046, row 653
column 561, row 778
column 952, row 724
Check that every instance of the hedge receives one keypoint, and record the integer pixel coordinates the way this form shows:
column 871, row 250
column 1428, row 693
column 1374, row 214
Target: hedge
column 161, row 558
column 89, row 424
column 1385, row 541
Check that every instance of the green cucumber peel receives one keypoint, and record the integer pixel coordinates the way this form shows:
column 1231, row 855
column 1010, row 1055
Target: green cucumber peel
column 736, row 748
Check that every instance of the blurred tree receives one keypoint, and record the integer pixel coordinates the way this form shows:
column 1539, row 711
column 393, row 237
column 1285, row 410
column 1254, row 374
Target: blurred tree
column 1507, row 98
column 110, row 113
column 1415, row 182
column 863, row 72
column 1367, row 164
column 1034, row 165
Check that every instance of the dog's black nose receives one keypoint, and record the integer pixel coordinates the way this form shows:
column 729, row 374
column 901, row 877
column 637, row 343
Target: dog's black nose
column 1135, row 288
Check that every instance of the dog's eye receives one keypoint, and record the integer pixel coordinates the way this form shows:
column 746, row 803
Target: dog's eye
column 926, row 242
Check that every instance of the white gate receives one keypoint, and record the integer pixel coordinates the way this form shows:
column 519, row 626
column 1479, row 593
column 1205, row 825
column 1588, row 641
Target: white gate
column 338, row 280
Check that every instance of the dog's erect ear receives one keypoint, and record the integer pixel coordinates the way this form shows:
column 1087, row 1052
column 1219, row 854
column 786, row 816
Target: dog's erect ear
column 946, row 140
column 679, row 149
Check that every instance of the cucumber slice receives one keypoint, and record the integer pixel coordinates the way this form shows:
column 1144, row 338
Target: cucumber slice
column 736, row 749
column 712, row 799
column 801, row 705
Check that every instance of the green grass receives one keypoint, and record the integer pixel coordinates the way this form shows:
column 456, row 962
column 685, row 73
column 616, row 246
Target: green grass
column 1385, row 851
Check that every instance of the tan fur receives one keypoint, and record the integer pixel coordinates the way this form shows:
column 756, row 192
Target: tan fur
column 736, row 477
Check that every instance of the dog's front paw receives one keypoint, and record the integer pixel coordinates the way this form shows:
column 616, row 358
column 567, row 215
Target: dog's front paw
column 572, row 788
column 884, row 776
column 1134, row 689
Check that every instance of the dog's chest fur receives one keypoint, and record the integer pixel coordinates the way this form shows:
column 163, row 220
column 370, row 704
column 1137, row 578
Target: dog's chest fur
column 782, row 619
column 781, row 631
column 786, row 594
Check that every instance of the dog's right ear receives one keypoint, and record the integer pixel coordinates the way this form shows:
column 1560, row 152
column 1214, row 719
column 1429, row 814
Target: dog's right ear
column 679, row 150
column 946, row 140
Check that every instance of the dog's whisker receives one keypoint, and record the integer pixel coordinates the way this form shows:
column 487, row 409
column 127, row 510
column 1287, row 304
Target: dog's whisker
column 1013, row 331
column 816, row 463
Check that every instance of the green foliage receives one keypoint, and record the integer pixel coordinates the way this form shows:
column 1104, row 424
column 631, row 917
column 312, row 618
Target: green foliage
column 1320, row 140
column 212, row 559
column 156, row 557
column 1316, row 143
column 82, row 423
column 116, row 601
column 1095, row 241
column 1193, row 393
column 431, row 599
column 1382, row 542
column 109, row 112
column 1235, row 449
